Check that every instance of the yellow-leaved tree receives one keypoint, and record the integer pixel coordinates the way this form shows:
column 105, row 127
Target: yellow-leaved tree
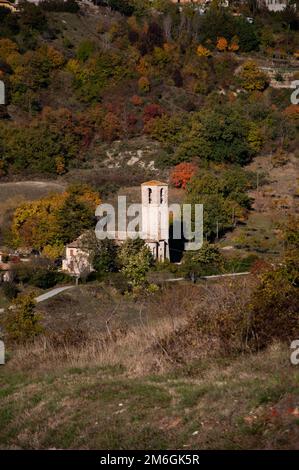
column 56, row 219
column 203, row 51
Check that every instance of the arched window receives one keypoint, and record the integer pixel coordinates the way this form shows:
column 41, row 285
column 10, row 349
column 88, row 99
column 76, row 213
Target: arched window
column 161, row 196
column 149, row 195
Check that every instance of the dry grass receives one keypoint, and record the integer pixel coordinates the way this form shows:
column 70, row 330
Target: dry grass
column 131, row 349
column 121, row 388
column 242, row 403
column 153, row 334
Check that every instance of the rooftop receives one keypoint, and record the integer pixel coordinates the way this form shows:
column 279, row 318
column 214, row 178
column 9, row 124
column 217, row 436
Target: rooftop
column 154, row 183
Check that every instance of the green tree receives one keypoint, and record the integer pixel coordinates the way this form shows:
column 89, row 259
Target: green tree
column 220, row 135
column 73, row 218
column 208, row 260
column 102, row 253
column 223, row 196
column 135, row 260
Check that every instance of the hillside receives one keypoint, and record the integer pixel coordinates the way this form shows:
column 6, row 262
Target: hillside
column 90, row 400
column 141, row 351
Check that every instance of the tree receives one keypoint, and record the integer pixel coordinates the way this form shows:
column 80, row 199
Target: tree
column 218, row 134
column 203, row 51
column 22, row 323
column 32, row 16
column 152, row 111
column 219, row 22
column 10, row 290
column 274, row 309
column 102, row 254
column 143, row 84
column 135, row 260
column 111, row 127
column 251, row 78
column 56, row 219
column 182, row 174
column 223, row 197
column 222, row 44
column 72, row 218
column 206, row 261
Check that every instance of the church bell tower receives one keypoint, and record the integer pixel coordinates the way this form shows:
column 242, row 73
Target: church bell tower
column 155, row 218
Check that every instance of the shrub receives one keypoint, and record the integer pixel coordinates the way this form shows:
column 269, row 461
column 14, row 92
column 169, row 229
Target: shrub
column 274, row 310
column 39, row 273
column 208, row 260
column 251, row 78
column 22, row 323
column 135, row 259
column 10, row 290
column 143, row 84
column 70, row 6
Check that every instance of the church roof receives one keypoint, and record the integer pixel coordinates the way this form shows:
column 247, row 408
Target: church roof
column 154, row 183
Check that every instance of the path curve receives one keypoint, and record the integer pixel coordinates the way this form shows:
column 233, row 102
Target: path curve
column 52, row 293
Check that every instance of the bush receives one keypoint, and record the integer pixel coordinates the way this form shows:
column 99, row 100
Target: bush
column 22, row 324
column 251, row 78
column 206, row 261
column 274, row 310
column 135, row 260
column 71, row 6
column 10, row 290
column 119, row 282
column 39, row 273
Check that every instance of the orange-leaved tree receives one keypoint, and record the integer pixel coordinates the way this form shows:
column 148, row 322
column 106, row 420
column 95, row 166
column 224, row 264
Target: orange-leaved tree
column 221, row 44
column 182, row 174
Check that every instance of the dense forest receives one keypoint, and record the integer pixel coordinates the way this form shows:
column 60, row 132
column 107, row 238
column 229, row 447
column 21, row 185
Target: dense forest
column 169, row 74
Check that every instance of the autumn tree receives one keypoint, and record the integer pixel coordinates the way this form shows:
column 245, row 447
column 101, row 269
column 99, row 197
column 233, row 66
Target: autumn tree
column 110, row 127
column 182, row 174
column 222, row 44
column 143, row 84
column 152, row 111
column 252, row 78
column 56, row 219
column 203, row 51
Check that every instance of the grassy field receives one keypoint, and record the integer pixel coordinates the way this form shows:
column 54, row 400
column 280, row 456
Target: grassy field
column 102, row 377
column 249, row 402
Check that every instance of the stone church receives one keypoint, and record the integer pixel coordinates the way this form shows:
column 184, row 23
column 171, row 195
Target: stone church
column 155, row 229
